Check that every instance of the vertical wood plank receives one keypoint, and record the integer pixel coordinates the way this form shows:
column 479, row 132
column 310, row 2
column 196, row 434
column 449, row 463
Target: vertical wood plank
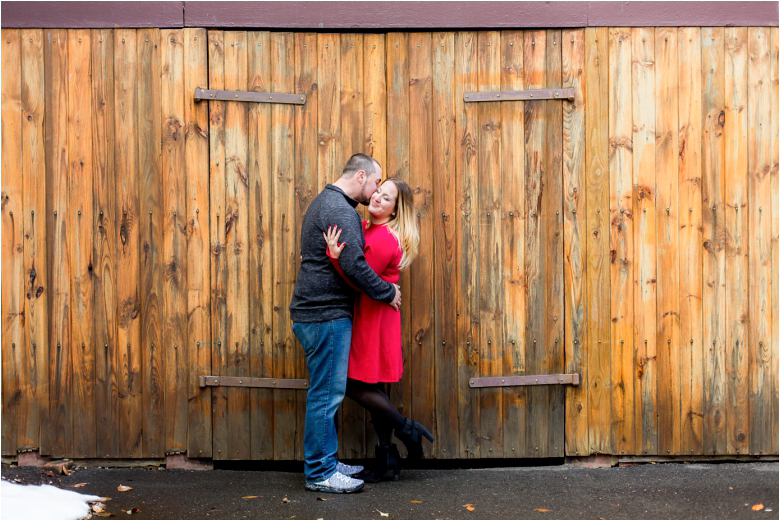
column 104, row 254
column 286, row 253
column 398, row 166
column 575, row 243
column 597, row 173
column 329, row 155
column 33, row 174
column 420, row 294
column 375, row 98
column 216, row 71
column 537, row 416
column 59, row 436
column 13, row 233
column 352, row 431
column 129, row 378
column 172, row 221
column 444, row 183
column 667, row 247
column 513, row 218
column 305, row 183
column 491, row 338
column 152, row 236
column 714, row 241
column 775, row 289
column 622, row 258
column 80, row 224
column 551, row 237
column 736, row 206
column 236, row 236
column 690, row 237
column 643, row 100
column 763, row 386
column 261, row 352
column 467, row 272
column 196, row 152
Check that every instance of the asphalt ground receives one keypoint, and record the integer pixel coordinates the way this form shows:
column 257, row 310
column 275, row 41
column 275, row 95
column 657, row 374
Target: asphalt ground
column 646, row 491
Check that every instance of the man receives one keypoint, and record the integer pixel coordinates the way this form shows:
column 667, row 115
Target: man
column 321, row 310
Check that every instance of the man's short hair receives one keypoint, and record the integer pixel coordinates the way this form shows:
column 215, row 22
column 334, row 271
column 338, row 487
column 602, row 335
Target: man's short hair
column 359, row 162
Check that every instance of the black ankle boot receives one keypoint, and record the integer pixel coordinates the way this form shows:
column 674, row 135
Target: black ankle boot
column 385, row 458
column 411, row 435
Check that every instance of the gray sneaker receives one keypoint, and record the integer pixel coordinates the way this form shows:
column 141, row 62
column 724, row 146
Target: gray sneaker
column 348, row 470
column 338, row 483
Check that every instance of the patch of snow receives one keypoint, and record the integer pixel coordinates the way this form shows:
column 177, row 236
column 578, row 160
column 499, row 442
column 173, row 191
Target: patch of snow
column 42, row 502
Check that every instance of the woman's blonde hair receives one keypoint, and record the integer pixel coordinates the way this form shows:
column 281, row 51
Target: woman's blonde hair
column 403, row 223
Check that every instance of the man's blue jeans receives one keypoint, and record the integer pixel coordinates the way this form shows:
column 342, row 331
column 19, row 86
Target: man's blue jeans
column 326, row 346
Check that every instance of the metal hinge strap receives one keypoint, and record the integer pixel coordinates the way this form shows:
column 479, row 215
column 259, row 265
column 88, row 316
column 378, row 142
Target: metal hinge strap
column 513, row 381
column 256, row 97
column 519, row 95
column 241, row 381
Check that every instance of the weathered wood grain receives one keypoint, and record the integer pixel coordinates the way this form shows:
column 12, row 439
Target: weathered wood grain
column 714, row 240
column 443, row 217
column 59, row 437
column 575, row 242
column 513, row 217
column 129, row 349
column 491, row 335
column 236, row 251
column 305, row 183
column 12, row 238
column 643, row 106
column 598, row 380
column 419, row 298
column 286, row 251
column 667, row 246
column 261, row 352
column 762, row 359
column 690, row 239
column 329, row 156
column 36, row 286
column 172, row 221
column 622, row 255
column 79, row 221
column 467, row 274
column 375, row 97
column 217, row 232
column 196, row 153
column 736, row 208
column 551, row 237
column 775, row 290
column 159, row 360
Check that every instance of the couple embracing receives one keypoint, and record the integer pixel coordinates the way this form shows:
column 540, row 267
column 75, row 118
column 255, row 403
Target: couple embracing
column 346, row 314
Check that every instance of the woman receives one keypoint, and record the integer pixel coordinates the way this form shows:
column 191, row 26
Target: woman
column 375, row 357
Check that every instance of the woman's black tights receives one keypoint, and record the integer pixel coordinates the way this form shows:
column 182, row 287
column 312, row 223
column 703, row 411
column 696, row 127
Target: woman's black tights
column 373, row 397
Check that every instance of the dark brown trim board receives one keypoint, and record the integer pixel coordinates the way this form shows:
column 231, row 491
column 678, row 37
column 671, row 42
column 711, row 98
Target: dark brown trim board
column 366, row 15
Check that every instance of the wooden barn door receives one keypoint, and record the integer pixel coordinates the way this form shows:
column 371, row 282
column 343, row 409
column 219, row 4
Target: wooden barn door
column 519, row 164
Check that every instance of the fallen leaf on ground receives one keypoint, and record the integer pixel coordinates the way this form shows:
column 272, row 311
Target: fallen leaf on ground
column 248, row 497
column 731, row 488
column 285, row 500
column 417, row 502
column 542, row 509
column 469, row 507
column 324, row 498
column 104, row 514
column 123, row 488
column 98, row 508
column 77, row 485
column 383, row 514
column 759, row 506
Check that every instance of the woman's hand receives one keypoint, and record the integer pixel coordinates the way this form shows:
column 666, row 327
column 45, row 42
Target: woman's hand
column 332, row 240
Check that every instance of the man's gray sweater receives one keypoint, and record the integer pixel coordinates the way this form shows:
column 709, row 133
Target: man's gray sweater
column 321, row 294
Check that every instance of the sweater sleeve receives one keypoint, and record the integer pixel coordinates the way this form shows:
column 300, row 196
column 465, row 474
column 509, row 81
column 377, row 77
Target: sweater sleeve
column 335, row 263
column 352, row 261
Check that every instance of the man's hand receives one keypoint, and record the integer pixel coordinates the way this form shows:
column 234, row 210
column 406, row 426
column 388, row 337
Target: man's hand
column 396, row 303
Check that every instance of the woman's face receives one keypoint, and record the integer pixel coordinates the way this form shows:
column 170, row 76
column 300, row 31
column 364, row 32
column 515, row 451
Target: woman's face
column 382, row 203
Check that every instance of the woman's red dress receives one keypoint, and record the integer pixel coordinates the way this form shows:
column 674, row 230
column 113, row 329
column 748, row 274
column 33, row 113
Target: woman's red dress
column 375, row 355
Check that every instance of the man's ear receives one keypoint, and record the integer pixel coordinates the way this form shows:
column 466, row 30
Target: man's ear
column 361, row 177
